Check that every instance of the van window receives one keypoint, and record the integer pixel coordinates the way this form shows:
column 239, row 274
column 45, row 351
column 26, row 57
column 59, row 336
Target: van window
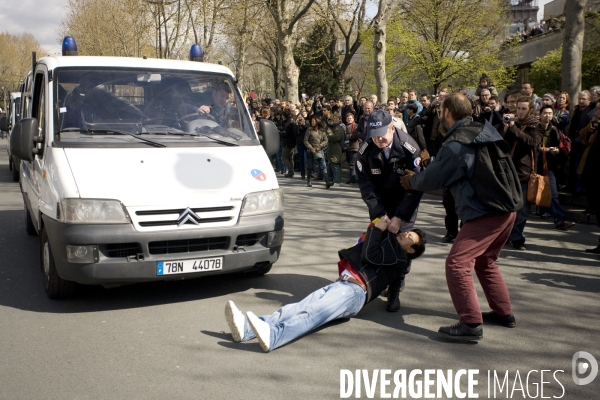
column 94, row 105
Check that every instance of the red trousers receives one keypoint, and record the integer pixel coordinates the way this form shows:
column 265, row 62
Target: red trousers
column 478, row 246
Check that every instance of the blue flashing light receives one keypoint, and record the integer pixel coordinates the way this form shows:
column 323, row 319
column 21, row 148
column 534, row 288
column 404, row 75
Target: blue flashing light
column 196, row 53
column 69, row 46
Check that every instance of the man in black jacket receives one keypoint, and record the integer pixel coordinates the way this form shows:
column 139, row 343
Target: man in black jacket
column 289, row 142
column 365, row 270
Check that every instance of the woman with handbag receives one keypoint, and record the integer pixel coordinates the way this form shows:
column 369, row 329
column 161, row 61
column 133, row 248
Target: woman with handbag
column 548, row 162
column 335, row 150
column 314, row 140
column 524, row 136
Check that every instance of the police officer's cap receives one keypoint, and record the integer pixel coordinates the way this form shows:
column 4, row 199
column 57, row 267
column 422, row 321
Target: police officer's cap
column 378, row 123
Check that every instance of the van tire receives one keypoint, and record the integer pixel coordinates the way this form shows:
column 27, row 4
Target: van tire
column 55, row 286
column 14, row 169
column 29, row 227
column 260, row 270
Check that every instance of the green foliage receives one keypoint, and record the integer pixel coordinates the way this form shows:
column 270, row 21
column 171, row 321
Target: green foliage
column 435, row 43
column 318, row 62
column 545, row 73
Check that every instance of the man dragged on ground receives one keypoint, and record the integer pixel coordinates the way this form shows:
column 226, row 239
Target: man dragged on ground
column 365, row 270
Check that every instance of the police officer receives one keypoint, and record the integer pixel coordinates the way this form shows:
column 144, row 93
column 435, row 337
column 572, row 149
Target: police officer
column 381, row 161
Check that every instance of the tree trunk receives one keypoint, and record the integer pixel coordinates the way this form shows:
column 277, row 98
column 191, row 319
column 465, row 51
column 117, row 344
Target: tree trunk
column 290, row 70
column 380, row 26
column 572, row 51
column 379, row 63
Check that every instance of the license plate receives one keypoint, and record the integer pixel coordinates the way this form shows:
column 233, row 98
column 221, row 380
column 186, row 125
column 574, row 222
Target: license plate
column 189, row 266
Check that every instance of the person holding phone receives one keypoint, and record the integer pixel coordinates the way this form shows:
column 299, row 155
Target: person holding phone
column 550, row 147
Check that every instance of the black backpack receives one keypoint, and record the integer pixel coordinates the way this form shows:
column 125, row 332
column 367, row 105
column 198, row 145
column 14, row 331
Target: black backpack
column 495, row 178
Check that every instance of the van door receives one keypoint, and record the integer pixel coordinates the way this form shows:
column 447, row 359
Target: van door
column 39, row 101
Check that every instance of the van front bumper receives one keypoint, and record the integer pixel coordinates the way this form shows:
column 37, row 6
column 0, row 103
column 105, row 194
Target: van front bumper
column 124, row 255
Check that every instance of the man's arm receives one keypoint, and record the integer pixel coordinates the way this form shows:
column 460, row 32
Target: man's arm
column 523, row 137
column 376, row 250
column 447, row 168
column 367, row 189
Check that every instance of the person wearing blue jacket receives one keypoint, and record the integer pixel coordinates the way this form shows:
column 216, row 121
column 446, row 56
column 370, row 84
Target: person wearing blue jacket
column 485, row 231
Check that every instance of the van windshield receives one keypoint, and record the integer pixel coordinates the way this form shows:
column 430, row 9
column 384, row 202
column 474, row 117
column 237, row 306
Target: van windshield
column 165, row 106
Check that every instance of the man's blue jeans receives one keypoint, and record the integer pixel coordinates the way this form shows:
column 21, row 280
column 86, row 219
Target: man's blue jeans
column 516, row 236
column 340, row 299
column 555, row 209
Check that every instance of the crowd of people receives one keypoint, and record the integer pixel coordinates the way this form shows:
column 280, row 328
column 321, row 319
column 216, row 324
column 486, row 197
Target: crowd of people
column 319, row 135
column 413, row 144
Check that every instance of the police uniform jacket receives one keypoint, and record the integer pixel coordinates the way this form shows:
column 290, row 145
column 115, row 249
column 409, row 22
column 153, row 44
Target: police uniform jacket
column 379, row 178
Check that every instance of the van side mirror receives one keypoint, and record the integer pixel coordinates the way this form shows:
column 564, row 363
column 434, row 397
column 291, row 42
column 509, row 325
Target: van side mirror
column 269, row 136
column 4, row 124
column 22, row 142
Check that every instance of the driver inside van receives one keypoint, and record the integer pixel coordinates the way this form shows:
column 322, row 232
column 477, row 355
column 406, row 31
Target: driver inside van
column 215, row 103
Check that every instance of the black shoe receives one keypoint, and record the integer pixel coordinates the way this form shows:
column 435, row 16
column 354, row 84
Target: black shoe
column 563, row 226
column 393, row 301
column 595, row 250
column 449, row 238
column 350, row 181
column 519, row 246
column 493, row 318
column 327, row 184
column 462, row 333
column 289, row 175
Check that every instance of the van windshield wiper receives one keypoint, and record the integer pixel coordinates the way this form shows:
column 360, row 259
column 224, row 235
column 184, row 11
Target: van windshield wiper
column 93, row 131
column 195, row 135
column 215, row 139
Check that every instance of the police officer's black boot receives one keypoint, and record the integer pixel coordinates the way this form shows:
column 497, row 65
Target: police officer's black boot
column 393, row 300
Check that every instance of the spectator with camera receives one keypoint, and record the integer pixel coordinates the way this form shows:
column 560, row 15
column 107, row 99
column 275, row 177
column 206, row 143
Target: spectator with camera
column 524, row 135
column 548, row 162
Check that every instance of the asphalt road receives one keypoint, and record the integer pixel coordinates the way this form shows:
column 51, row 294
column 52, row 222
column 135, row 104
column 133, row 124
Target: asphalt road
column 170, row 339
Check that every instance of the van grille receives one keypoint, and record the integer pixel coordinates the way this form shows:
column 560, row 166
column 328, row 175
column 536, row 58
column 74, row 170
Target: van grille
column 116, row 250
column 175, row 222
column 204, row 215
column 188, row 245
column 249, row 240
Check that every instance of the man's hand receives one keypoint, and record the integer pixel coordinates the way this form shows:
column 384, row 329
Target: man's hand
column 405, row 180
column 394, row 226
column 203, row 110
column 512, row 122
column 383, row 223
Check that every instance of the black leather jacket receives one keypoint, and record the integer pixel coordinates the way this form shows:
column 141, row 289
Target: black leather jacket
column 379, row 259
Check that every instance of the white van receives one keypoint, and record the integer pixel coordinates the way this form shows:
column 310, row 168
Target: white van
column 13, row 115
column 138, row 170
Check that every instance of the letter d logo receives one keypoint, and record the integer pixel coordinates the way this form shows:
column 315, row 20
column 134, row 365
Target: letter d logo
column 582, row 367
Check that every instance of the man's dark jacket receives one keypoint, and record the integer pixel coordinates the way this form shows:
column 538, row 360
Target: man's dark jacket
column 379, row 259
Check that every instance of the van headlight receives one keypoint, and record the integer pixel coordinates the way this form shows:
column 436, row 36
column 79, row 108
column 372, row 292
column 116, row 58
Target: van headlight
column 263, row 202
column 88, row 211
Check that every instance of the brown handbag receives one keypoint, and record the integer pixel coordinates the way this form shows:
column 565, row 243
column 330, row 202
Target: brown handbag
column 538, row 186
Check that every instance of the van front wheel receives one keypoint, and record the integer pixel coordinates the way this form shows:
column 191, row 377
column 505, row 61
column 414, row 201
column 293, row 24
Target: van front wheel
column 56, row 287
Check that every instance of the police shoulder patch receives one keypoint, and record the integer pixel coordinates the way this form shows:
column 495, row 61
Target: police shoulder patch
column 409, row 147
column 363, row 147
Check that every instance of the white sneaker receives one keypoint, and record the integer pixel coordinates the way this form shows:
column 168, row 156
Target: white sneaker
column 235, row 319
column 261, row 329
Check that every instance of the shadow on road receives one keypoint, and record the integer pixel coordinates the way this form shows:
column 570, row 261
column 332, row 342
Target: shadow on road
column 564, row 281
